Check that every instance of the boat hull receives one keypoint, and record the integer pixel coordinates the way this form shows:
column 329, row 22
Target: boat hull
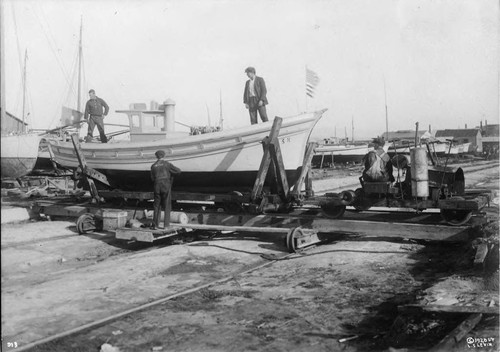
column 228, row 159
column 18, row 154
column 140, row 181
column 340, row 154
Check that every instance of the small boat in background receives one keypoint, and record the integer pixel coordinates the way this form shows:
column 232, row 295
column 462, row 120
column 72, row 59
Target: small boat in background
column 339, row 153
column 18, row 154
column 223, row 160
column 19, row 147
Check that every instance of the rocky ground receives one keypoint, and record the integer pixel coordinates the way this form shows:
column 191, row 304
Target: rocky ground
column 339, row 296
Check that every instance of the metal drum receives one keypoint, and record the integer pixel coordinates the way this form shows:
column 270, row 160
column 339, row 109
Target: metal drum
column 419, row 173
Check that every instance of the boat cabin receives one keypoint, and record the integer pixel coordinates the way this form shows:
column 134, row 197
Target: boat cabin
column 154, row 124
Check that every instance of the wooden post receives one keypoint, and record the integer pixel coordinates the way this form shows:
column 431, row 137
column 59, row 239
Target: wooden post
column 306, row 167
column 266, row 159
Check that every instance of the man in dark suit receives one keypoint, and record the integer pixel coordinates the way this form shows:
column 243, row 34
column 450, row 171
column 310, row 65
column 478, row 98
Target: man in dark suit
column 162, row 175
column 254, row 96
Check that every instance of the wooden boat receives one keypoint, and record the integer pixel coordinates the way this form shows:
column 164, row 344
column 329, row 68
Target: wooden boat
column 340, row 153
column 224, row 160
column 18, row 154
column 19, row 147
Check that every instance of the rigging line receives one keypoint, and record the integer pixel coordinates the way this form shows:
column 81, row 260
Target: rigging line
column 71, row 90
column 19, row 56
column 18, row 100
column 51, row 46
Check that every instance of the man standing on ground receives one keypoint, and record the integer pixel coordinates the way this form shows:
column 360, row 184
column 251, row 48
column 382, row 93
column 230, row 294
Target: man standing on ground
column 161, row 174
column 95, row 110
column 254, row 96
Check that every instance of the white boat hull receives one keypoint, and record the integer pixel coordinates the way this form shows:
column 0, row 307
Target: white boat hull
column 340, row 153
column 228, row 159
column 18, row 154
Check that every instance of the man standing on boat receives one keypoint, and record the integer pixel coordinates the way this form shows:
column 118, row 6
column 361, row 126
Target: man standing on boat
column 254, row 96
column 378, row 165
column 95, row 110
column 161, row 174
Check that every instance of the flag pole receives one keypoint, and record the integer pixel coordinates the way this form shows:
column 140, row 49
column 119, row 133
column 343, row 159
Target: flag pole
column 305, row 82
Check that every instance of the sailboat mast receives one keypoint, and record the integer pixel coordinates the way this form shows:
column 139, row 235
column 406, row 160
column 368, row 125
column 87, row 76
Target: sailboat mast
column 24, row 89
column 386, row 115
column 208, row 116
column 79, row 88
column 352, row 129
column 2, row 65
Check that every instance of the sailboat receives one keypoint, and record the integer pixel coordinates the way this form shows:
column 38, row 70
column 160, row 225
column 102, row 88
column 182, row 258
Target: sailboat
column 19, row 147
column 70, row 120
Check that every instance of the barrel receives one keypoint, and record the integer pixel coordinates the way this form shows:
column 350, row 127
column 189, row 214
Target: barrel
column 419, row 173
column 178, row 217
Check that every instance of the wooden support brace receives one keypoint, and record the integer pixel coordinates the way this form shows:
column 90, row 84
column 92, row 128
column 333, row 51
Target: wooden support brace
column 306, row 167
column 89, row 173
column 452, row 339
column 277, row 159
column 266, row 160
column 436, row 308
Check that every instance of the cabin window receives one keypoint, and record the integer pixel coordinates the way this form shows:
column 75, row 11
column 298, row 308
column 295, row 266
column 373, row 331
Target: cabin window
column 135, row 121
column 465, row 140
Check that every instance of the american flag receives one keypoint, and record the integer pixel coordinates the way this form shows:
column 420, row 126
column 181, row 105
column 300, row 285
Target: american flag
column 312, row 81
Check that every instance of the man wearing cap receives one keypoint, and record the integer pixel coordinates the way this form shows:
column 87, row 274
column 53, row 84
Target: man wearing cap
column 254, row 96
column 95, row 110
column 162, row 175
column 378, row 165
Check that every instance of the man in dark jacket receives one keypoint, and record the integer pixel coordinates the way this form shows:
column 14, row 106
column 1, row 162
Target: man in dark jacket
column 254, row 96
column 378, row 165
column 95, row 110
column 161, row 174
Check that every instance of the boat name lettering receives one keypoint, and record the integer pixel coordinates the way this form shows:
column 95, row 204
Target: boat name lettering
column 285, row 140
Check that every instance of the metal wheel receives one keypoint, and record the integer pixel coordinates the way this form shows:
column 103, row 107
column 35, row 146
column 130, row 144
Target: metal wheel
column 360, row 203
column 86, row 223
column 456, row 217
column 233, row 207
column 291, row 237
column 333, row 211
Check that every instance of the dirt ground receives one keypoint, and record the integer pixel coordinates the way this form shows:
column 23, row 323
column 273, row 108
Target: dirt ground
column 54, row 280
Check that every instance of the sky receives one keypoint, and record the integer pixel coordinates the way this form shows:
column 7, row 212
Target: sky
column 431, row 62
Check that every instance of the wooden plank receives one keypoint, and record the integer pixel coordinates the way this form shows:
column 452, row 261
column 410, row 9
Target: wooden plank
column 338, row 226
column 466, row 204
column 481, row 253
column 454, row 337
column 450, row 309
column 179, row 196
column 235, row 228
column 145, row 235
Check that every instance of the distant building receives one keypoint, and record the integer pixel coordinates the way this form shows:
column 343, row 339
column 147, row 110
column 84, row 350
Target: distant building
column 460, row 136
column 12, row 124
column 491, row 135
